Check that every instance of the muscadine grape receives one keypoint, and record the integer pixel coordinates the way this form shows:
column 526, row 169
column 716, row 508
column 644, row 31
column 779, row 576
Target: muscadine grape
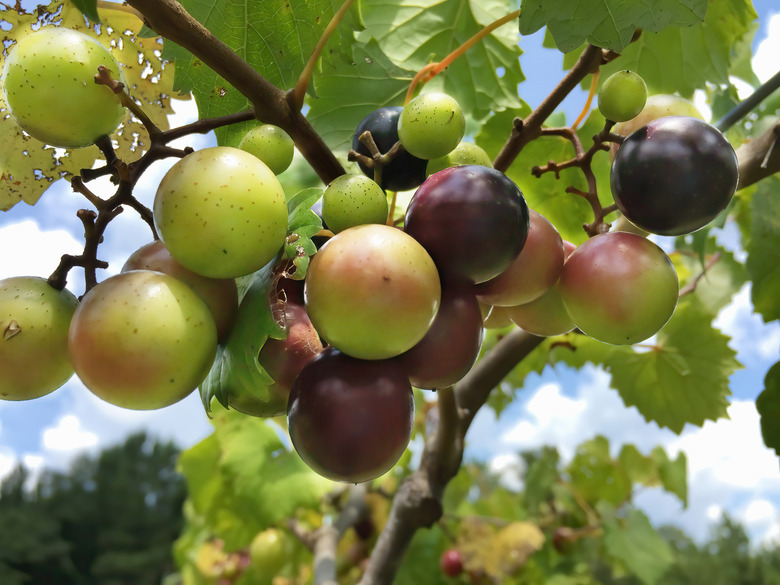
column 622, row 96
column 221, row 295
column 674, row 175
column 402, row 173
column 619, row 288
column 34, row 322
column 532, row 272
column 451, row 562
column 268, row 552
column 451, row 347
column 472, row 220
column 351, row 200
column 466, row 153
column 350, row 420
column 270, row 144
column 372, row 291
column 431, row 125
column 494, row 317
column 49, row 85
column 142, row 340
column 221, row 212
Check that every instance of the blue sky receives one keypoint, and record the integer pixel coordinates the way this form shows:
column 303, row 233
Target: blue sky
column 729, row 469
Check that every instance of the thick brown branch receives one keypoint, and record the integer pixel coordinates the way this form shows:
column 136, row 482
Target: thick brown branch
column 760, row 157
column 271, row 105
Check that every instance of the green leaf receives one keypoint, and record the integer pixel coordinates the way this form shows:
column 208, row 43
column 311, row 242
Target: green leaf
column 236, row 374
column 540, row 478
column 768, row 405
column 242, row 479
column 303, row 223
column 634, row 542
column 276, row 37
column 88, row 8
column 716, row 284
column 681, row 60
column 640, row 469
column 609, row 24
column 673, row 473
column 684, row 378
column 595, row 476
column 373, row 81
column 413, row 33
column 764, row 243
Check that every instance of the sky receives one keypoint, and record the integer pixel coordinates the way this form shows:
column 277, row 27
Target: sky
column 730, row 470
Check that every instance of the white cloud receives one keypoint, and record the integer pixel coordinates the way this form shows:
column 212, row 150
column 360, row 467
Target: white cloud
column 36, row 251
column 68, row 436
column 749, row 334
column 765, row 57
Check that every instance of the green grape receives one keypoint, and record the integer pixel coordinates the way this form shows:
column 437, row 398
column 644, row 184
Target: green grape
column 622, row 96
column 466, row 153
column 270, row 144
column 142, row 340
column 221, row 212
column 49, row 85
column 431, row 125
column 351, row 200
column 34, row 321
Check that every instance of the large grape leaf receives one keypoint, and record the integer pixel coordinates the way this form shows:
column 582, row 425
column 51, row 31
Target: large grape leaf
column 276, row 37
column 684, row 378
column 242, row 478
column 609, row 24
column 27, row 166
column 681, row 60
column 634, row 542
column 413, row 33
column 596, row 477
column 373, row 82
column 764, row 242
column 768, row 405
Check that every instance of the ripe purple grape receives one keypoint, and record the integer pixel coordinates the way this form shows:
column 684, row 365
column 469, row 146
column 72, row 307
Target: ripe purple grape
column 472, row 220
column 451, row 346
column 674, row 175
column 350, row 420
column 405, row 171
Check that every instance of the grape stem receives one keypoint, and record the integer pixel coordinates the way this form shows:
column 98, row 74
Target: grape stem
column 583, row 160
column 747, row 105
column 691, row 286
column 431, row 70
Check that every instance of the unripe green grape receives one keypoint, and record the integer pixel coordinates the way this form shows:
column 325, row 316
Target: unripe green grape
column 34, row 322
column 372, row 292
column 270, row 144
column 351, row 200
column 431, row 125
column 622, row 96
column 221, row 212
column 142, row 340
column 466, row 153
column 50, row 88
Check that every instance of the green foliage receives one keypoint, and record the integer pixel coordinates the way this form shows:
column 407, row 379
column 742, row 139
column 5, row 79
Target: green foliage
column 633, row 541
column 110, row 519
column 606, row 23
column 762, row 265
column 768, row 405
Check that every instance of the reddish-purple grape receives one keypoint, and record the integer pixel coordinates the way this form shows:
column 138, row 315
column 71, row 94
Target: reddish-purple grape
column 472, row 220
column 350, row 420
column 451, row 562
column 405, row 171
column 674, row 176
column 451, row 346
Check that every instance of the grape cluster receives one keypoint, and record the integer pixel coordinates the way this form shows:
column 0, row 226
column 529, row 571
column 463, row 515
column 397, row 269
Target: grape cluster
column 383, row 307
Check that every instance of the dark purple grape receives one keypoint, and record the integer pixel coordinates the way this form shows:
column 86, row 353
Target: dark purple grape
column 350, row 420
column 405, row 171
column 674, row 175
column 472, row 220
column 451, row 346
